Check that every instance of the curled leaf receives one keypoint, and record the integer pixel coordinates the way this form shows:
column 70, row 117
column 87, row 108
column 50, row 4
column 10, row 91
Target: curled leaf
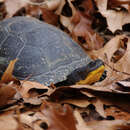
column 7, row 76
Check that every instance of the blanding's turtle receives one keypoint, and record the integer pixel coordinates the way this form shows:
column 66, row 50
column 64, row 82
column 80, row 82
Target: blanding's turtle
column 43, row 51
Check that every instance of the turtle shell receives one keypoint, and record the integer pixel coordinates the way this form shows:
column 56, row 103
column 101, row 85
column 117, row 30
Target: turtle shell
column 43, row 51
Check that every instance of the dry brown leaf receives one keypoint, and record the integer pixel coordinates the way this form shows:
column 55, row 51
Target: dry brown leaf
column 59, row 118
column 49, row 4
column 70, row 92
column 27, row 119
column 29, row 89
column 81, row 125
column 39, row 12
column 84, row 102
column 7, row 92
column 102, row 93
column 112, row 16
column 129, row 8
column 76, row 92
column 12, row 6
column 33, row 11
column 8, row 122
column 110, row 97
column 117, row 113
column 124, row 83
column 89, row 9
column 8, row 74
column 122, row 127
column 79, row 25
column 3, row 11
column 77, row 102
column 49, row 16
column 99, row 108
column 83, row 29
column 78, row 97
column 32, row 101
column 31, row 120
column 59, row 9
column 121, row 87
column 105, row 125
column 67, row 21
column 118, row 3
column 53, row 4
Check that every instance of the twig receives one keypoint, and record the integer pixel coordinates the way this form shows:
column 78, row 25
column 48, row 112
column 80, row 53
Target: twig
column 116, row 69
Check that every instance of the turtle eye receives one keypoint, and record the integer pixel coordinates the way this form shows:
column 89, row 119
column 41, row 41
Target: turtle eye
column 93, row 65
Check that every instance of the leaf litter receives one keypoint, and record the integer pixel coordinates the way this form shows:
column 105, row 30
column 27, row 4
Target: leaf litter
column 102, row 105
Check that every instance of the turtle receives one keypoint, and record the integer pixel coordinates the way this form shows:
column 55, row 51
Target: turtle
column 43, row 51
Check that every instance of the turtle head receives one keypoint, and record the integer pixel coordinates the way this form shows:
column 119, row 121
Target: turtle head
column 94, row 71
column 88, row 74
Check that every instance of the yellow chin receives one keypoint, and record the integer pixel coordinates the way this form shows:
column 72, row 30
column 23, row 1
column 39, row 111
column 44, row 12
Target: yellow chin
column 93, row 76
